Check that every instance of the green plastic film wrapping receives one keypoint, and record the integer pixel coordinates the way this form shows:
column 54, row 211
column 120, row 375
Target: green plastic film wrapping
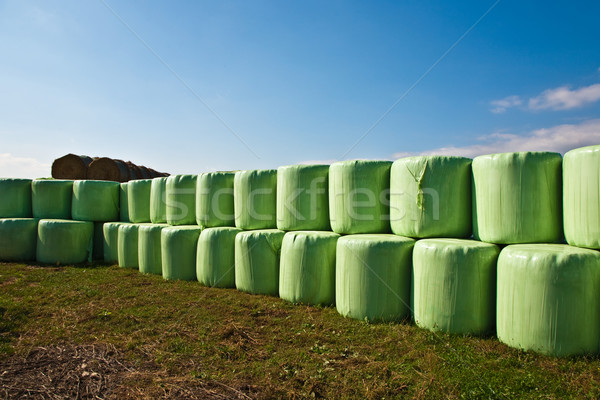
column 18, row 237
column 454, row 285
column 549, row 299
column 51, row 198
column 98, row 246
column 214, row 199
column 359, row 196
column 158, row 205
column 430, row 196
column 64, row 242
column 302, row 198
column 307, row 267
column 255, row 199
column 215, row 262
column 178, row 252
column 517, row 198
column 257, row 261
column 138, row 200
column 127, row 246
column 181, row 199
column 111, row 241
column 149, row 249
column 581, row 197
column 15, row 198
column 373, row 277
column 95, row 201
column 123, row 203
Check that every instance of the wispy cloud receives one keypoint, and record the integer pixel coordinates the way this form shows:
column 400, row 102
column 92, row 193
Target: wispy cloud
column 500, row 106
column 22, row 167
column 561, row 139
column 560, row 98
column 563, row 98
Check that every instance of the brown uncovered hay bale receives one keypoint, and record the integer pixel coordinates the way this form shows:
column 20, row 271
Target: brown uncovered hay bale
column 71, row 166
column 108, row 169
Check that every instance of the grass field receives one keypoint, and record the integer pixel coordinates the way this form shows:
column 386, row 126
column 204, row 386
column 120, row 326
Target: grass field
column 106, row 332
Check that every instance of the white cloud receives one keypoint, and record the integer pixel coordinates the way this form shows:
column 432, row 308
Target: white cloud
column 500, row 106
column 22, row 167
column 561, row 139
column 563, row 98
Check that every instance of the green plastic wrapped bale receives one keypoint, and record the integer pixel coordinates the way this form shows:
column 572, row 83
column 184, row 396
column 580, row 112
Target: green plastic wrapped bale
column 373, row 277
column 127, row 246
column 149, row 249
column 181, row 199
column 15, row 198
column 581, row 197
column 178, row 252
column 138, row 200
column 18, row 237
column 302, row 199
column 214, row 199
column 51, row 198
column 517, row 198
column 430, row 196
column 123, row 203
column 111, row 241
column 454, row 285
column 255, row 199
column 95, row 201
column 549, row 299
column 358, row 196
column 215, row 262
column 98, row 248
column 307, row 267
column 257, row 261
column 158, row 205
column 64, row 242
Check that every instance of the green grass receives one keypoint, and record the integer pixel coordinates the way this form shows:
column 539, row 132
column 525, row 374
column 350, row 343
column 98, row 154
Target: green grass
column 180, row 336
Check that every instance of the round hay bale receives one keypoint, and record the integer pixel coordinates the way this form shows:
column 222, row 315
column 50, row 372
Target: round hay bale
column 373, row 277
column 181, row 199
column 123, row 203
column 15, row 198
column 214, row 199
column 454, row 285
column 257, row 261
column 111, row 241
column 95, row 201
column 149, row 248
column 357, row 196
column 255, row 199
column 64, row 242
column 138, row 200
column 302, row 198
column 215, row 260
column 18, row 237
column 158, row 198
column 178, row 252
column 517, row 198
column 581, row 197
column 71, row 167
column 430, row 196
column 548, row 299
column 51, row 198
column 127, row 246
column 108, row 169
column 307, row 267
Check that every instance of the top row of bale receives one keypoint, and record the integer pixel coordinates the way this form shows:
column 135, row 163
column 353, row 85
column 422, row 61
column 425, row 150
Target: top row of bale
column 503, row 198
column 74, row 167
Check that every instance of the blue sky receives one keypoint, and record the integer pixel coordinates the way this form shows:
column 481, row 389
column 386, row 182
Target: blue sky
column 260, row 84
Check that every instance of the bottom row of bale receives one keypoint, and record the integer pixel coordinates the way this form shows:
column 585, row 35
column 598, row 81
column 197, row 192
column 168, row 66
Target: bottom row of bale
column 541, row 297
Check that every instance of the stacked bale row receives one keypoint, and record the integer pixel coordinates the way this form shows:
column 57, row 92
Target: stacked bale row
column 73, row 167
column 383, row 241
